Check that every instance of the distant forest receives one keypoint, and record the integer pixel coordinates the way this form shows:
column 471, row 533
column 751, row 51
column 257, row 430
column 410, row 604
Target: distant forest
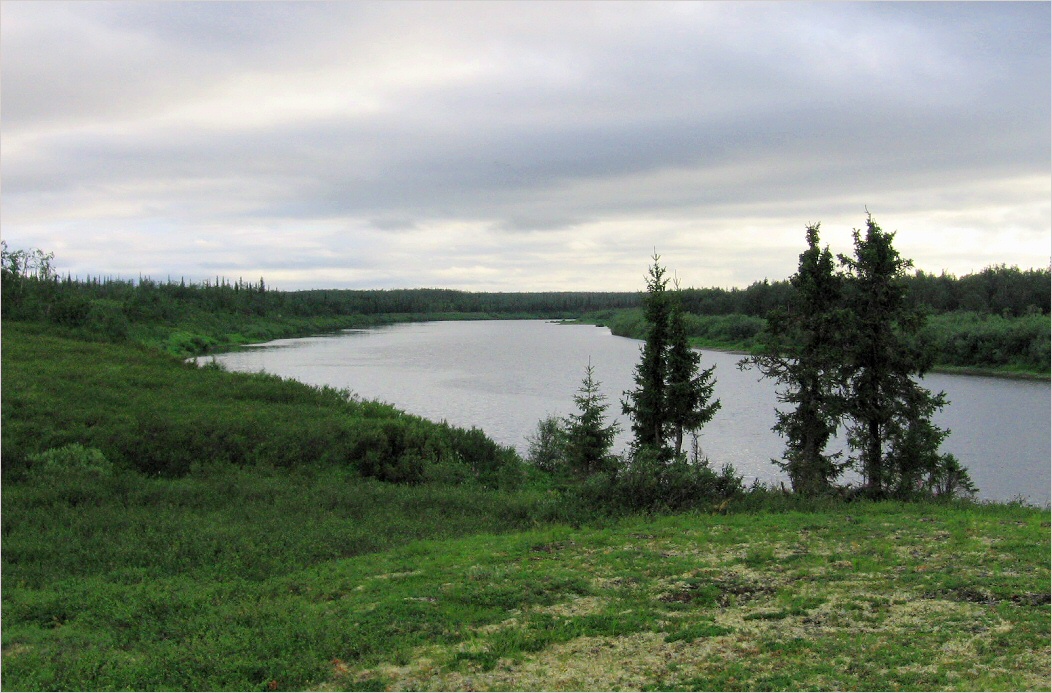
column 998, row 290
column 972, row 313
column 32, row 290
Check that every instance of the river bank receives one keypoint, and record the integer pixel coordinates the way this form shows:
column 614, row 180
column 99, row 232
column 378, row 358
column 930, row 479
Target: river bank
column 1022, row 355
column 506, row 376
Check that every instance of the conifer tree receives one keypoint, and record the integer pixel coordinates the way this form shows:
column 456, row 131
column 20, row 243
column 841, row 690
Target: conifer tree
column 646, row 403
column 890, row 427
column 689, row 390
column 588, row 438
column 671, row 395
column 802, row 352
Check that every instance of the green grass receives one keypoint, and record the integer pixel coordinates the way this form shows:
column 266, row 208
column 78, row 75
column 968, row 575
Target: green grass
column 870, row 596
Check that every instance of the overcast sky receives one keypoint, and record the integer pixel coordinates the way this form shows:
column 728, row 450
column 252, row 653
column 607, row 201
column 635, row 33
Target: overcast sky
column 520, row 146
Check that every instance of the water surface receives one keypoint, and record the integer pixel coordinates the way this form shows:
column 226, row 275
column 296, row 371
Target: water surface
column 504, row 376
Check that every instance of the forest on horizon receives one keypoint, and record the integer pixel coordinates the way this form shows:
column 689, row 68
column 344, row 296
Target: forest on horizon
column 997, row 318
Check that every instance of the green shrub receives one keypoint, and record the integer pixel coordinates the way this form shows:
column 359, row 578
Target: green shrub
column 106, row 319
column 162, row 417
column 71, row 459
column 646, row 483
column 547, row 447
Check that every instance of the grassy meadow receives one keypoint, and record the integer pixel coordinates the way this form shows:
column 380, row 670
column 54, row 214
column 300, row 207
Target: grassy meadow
column 246, row 581
column 208, row 530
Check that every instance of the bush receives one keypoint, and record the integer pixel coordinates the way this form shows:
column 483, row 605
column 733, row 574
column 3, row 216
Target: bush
column 990, row 341
column 106, row 319
column 71, row 459
column 493, row 465
column 644, row 482
column 547, row 447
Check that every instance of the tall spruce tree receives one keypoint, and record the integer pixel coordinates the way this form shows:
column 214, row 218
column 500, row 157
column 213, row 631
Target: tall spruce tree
column 646, row 403
column 890, row 428
column 802, row 348
column 671, row 395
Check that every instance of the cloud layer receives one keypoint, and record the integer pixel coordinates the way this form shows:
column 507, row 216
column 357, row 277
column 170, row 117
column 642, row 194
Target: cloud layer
column 520, row 146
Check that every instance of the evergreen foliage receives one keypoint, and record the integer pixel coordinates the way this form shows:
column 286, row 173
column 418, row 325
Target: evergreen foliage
column 802, row 353
column 578, row 447
column 846, row 350
column 589, row 438
column 890, row 427
column 647, row 403
column 672, row 396
column 689, row 390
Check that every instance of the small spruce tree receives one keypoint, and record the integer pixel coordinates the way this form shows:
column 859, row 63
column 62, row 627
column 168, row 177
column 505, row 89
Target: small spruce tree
column 588, row 438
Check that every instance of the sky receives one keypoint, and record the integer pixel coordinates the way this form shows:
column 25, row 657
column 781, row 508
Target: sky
column 520, row 146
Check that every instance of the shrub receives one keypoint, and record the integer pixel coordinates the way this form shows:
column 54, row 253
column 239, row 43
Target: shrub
column 645, row 482
column 547, row 447
column 106, row 319
column 71, row 459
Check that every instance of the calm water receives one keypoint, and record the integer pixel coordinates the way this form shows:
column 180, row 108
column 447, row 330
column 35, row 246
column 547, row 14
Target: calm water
column 504, row 376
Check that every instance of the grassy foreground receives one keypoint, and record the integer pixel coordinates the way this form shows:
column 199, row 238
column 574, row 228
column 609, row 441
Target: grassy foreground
column 886, row 597
column 251, row 582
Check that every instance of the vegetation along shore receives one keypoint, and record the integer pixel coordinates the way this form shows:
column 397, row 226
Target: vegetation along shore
column 168, row 526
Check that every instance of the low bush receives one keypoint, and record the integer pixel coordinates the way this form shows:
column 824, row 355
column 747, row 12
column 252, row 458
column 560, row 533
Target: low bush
column 643, row 482
column 71, row 459
column 966, row 339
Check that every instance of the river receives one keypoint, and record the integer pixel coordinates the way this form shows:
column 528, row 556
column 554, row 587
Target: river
column 505, row 376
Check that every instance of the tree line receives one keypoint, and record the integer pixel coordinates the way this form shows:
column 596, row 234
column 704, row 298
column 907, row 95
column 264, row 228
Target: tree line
column 33, row 290
column 996, row 290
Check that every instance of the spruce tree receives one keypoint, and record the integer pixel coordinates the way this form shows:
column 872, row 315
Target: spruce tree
column 646, row 403
column 890, row 428
column 671, row 395
column 689, row 390
column 588, row 438
column 802, row 347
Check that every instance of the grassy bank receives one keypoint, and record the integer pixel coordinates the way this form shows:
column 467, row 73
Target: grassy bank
column 250, row 581
column 962, row 342
column 154, row 414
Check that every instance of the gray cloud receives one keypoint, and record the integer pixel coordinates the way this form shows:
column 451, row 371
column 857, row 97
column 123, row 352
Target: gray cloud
column 383, row 125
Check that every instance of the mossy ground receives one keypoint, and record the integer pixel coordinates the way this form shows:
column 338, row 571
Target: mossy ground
column 886, row 597
column 870, row 596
